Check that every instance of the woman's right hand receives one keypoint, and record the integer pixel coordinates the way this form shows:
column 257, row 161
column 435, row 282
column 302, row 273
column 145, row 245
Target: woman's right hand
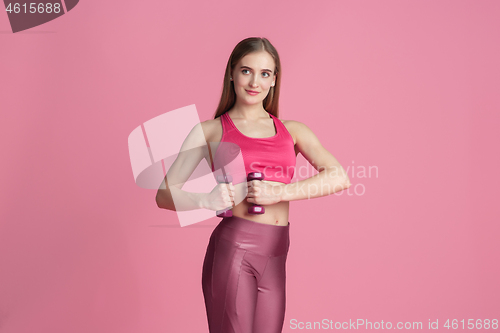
column 221, row 197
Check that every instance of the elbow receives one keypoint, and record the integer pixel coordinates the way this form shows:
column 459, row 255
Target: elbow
column 158, row 201
column 163, row 202
column 347, row 183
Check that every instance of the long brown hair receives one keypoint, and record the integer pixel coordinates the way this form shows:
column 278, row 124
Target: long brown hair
column 246, row 46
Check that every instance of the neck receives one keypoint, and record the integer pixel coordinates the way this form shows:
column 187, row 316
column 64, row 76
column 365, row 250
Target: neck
column 249, row 112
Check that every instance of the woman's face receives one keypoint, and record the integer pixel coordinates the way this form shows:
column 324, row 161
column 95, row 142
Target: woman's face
column 254, row 72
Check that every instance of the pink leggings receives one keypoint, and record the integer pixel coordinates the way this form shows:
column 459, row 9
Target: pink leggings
column 244, row 277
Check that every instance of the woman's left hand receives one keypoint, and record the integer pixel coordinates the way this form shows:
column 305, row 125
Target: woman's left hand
column 262, row 193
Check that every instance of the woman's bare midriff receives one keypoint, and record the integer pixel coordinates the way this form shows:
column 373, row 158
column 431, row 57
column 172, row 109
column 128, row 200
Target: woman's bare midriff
column 276, row 214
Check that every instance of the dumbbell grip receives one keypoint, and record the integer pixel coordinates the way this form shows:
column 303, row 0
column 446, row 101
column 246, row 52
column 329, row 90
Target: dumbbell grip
column 255, row 209
column 225, row 212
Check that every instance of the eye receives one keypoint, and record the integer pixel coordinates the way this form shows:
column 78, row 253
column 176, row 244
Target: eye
column 244, row 70
column 266, row 74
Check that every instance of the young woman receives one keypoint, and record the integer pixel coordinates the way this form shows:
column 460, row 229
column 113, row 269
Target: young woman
column 243, row 276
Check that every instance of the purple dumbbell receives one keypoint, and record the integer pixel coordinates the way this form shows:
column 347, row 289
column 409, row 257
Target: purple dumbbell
column 225, row 212
column 255, row 209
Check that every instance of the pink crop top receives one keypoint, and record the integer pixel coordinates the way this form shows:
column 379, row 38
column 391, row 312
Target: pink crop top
column 273, row 156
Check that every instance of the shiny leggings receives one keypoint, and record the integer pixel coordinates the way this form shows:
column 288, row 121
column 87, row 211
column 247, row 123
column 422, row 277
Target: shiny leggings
column 244, row 277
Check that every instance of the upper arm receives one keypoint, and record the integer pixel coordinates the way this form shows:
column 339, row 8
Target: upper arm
column 311, row 148
column 192, row 151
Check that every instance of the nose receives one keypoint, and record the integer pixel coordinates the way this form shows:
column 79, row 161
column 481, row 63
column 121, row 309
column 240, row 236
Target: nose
column 253, row 81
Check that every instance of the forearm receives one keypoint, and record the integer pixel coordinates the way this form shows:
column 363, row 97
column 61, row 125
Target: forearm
column 324, row 183
column 183, row 200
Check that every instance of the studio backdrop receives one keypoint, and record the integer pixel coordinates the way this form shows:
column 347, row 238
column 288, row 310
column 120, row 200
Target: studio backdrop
column 403, row 93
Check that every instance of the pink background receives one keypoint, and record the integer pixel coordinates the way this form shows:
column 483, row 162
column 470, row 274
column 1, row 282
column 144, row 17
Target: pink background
column 409, row 88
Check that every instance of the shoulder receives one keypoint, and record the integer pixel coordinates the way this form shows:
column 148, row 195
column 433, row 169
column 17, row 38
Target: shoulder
column 211, row 128
column 292, row 123
column 296, row 129
column 207, row 124
column 303, row 136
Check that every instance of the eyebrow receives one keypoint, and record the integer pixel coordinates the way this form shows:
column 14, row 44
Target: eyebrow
column 265, row 69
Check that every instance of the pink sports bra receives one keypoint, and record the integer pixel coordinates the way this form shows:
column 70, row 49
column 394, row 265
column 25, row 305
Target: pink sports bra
column 273, row 156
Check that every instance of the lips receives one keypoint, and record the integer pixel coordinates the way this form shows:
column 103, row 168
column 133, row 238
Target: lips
column 252, row 92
